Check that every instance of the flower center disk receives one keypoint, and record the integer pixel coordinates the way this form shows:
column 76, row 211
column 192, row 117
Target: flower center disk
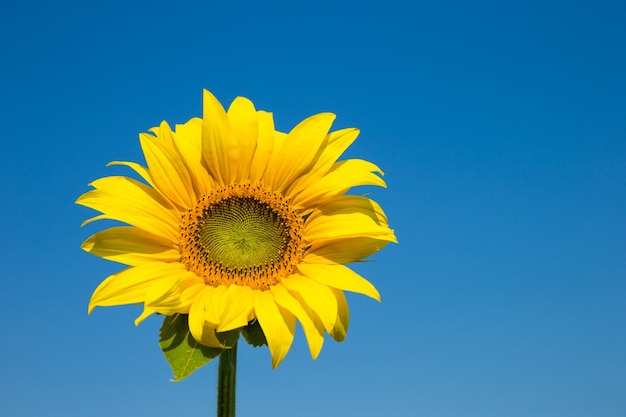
column 242, row 235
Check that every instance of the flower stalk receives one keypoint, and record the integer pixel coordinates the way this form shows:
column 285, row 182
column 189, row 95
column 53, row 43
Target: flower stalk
column 226, row 382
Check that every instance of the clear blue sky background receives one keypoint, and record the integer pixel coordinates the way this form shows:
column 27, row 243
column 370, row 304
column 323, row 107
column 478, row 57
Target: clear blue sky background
column 500, row 125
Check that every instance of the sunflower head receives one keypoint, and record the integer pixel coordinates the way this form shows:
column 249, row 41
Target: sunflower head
column 236, row 224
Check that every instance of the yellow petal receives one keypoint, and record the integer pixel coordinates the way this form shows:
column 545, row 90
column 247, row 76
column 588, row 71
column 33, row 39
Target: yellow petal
column 317, row 296
column 343, row 316
column 168, row 171
column 313, row 329
column 343, row 251
column 163, row 134
column 243, row 120
column 274, row 160
column 191, row 287
column 196, row 314
column 277, row 323
column 142, row 171
column 131, row 285
column 202, row 331
column 343, row 176
column 238, row 309
column 188, row 141
column 336, row 144
column 340, row 277
column 219, row 150
column 348, row 216
column 214, row 304
column 209, row 338
column 299, row 150
column 164, row 295
column 129, row 201
column 347, row 204
column 176, row 299
column 264, row 147
column 147, row 312
column 345, row 226
column 131, row 246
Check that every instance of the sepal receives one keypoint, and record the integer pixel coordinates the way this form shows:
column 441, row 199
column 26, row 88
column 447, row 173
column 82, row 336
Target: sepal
column 184, row 354
column 254, row 334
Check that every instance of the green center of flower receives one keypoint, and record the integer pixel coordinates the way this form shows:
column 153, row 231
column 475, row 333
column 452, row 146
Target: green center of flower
column 241, row 232
column 242, row 235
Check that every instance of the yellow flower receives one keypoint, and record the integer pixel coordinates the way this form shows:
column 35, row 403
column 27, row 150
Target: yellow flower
column 236, row 222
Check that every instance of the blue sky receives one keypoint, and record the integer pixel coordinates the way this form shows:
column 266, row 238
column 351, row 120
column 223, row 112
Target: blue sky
column 501, row 128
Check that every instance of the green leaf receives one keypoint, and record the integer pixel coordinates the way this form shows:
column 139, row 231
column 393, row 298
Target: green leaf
column 184, row 354
column 254, row 334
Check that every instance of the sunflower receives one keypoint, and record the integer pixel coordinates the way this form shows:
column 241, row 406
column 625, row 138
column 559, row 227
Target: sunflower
column 235, row 222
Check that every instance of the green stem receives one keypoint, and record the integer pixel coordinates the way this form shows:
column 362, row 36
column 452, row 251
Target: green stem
column 226, row 382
